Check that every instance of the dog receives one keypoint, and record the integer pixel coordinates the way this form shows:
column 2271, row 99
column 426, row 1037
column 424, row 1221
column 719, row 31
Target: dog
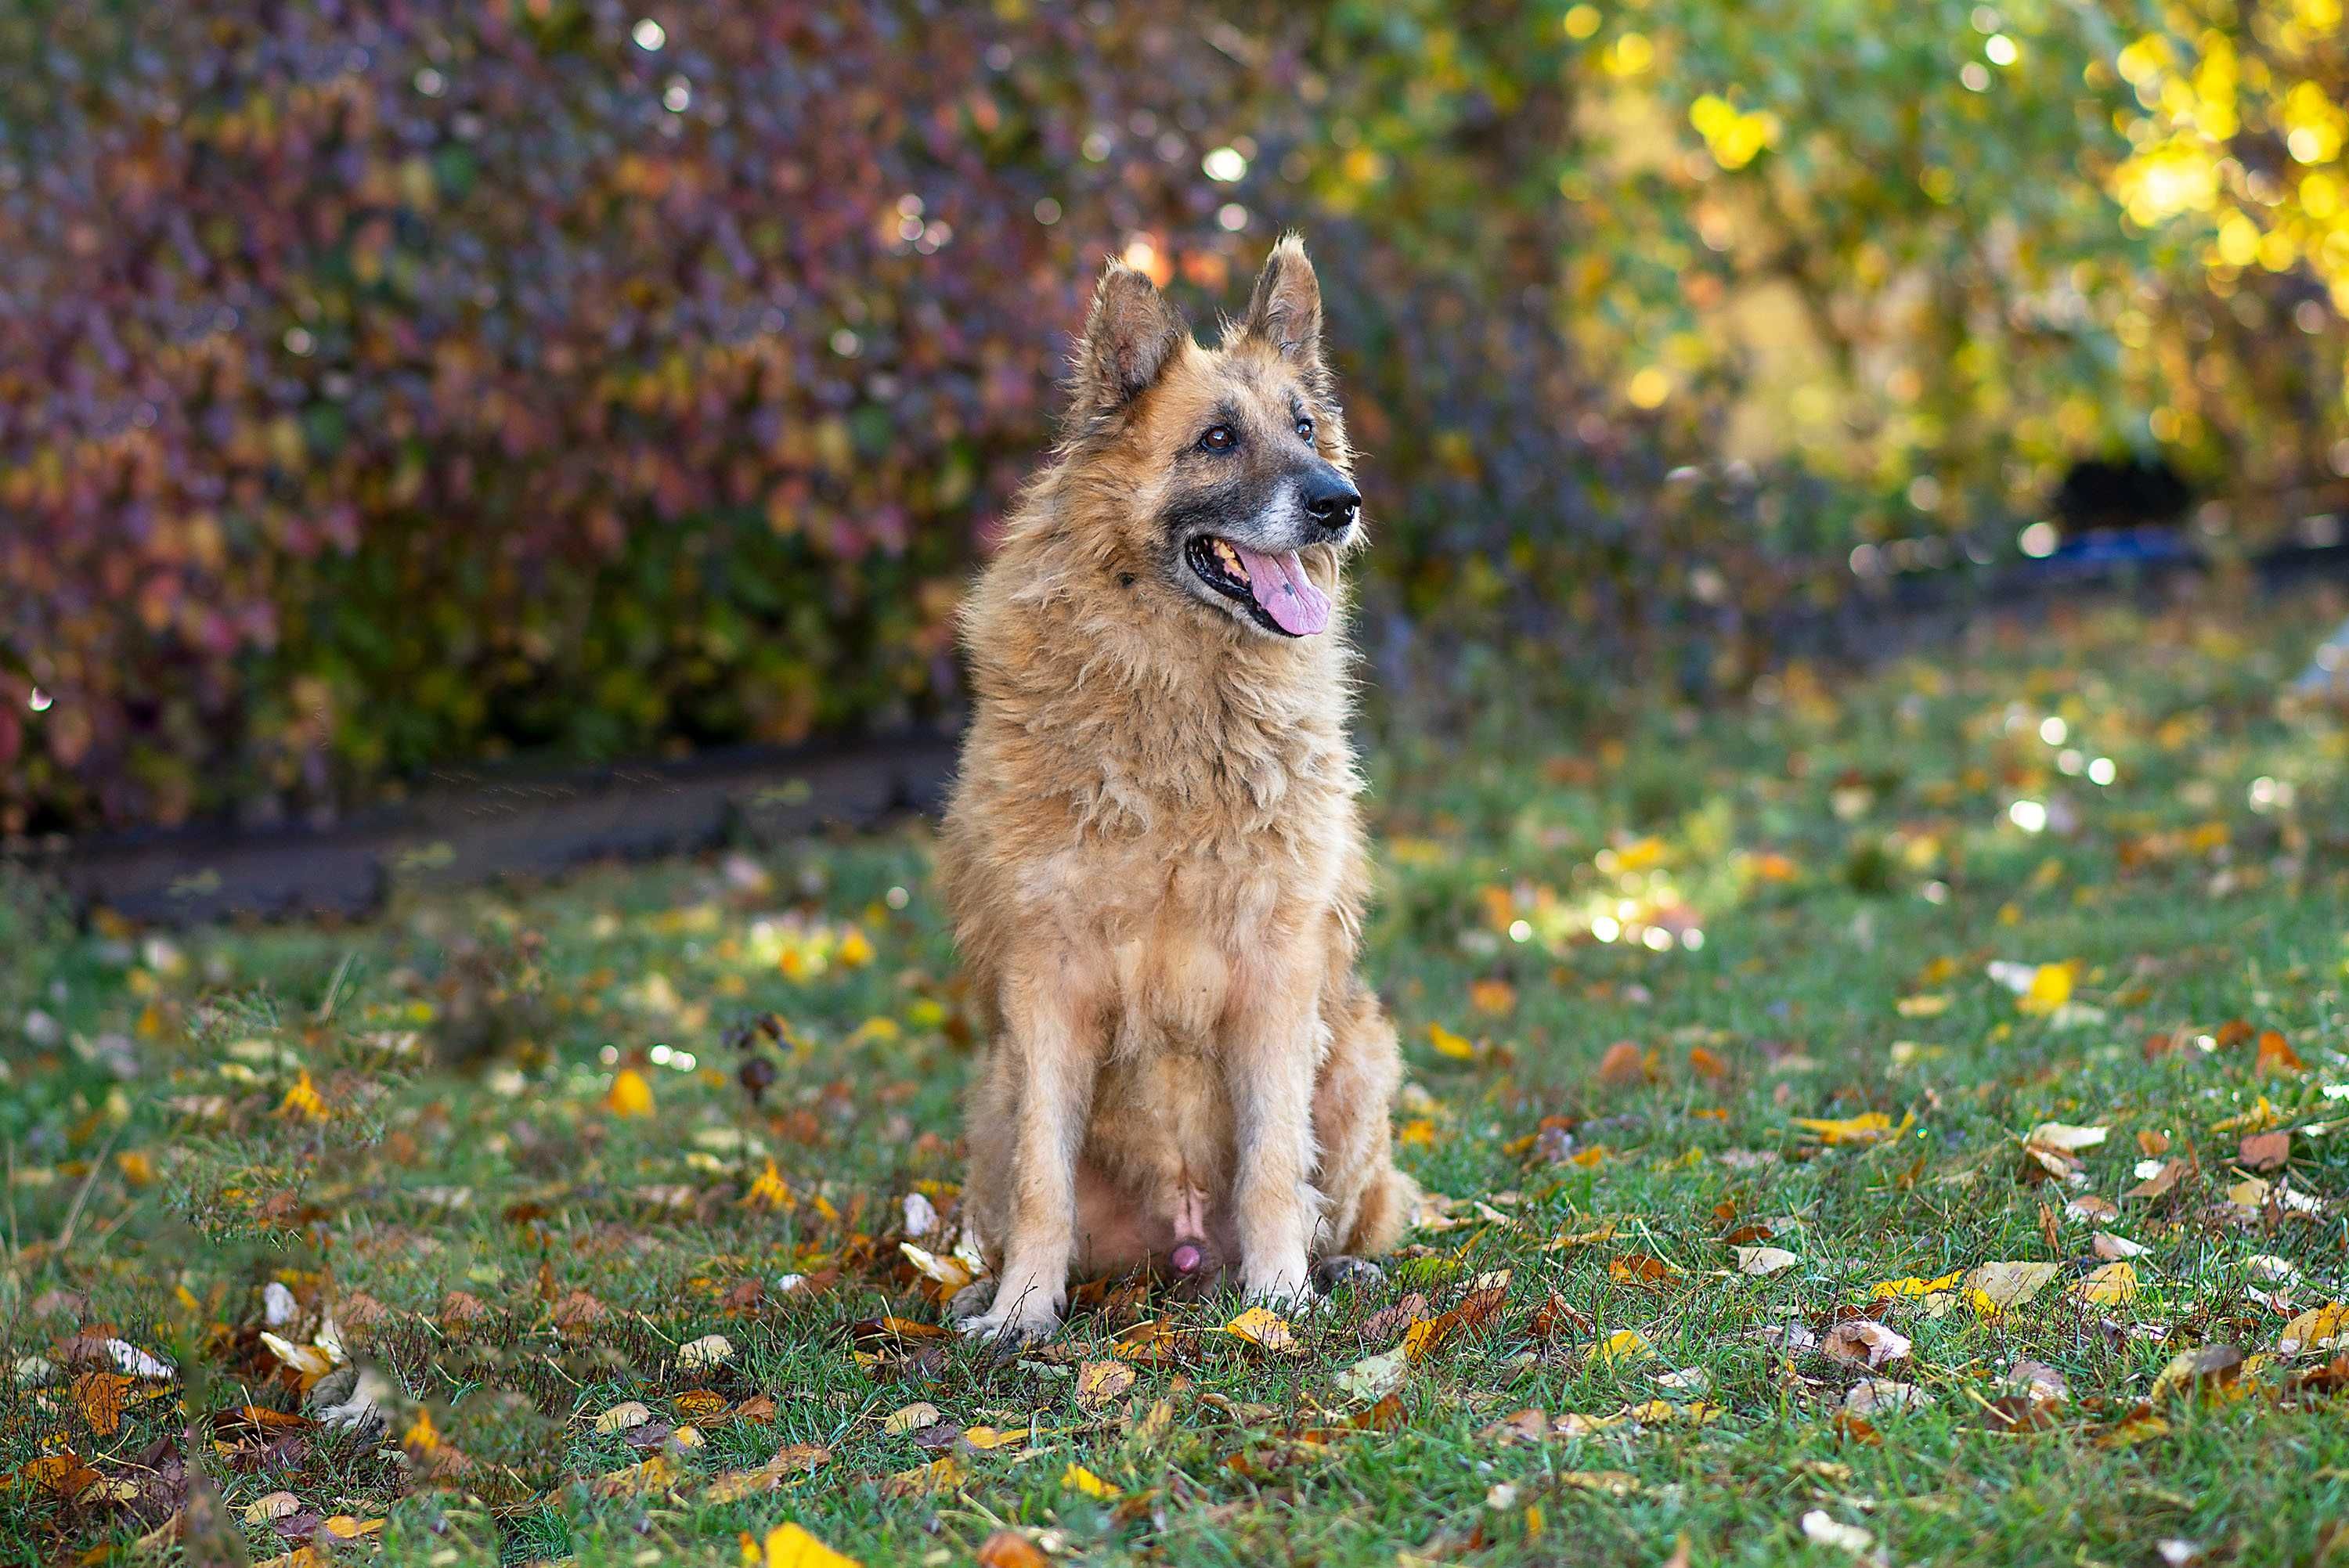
column 1153, row 854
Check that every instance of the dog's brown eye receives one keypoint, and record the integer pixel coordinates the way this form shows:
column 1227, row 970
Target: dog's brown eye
column 1305, row 428
column 1220, row 439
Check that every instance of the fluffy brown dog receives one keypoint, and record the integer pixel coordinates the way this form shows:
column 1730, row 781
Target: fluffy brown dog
column 1153, row 857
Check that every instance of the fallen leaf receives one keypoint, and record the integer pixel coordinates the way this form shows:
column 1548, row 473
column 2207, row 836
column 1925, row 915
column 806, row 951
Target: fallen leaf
column 2113, row 1284
column 630, row 1095
column 709, row 1350
column 2107, row 1245
column 101, row 1397
column 1010, row 1549
column 1076, row 1478
column 1447, row 1044
column 628, row 1413
column 275, row 1505
column 2322, row 1329
column 792, row 1459
column 1374, row 1377
column 2038, row 1381
column 306, row 1361
column 2276, row 1056
column 1267, row 1330
column 1760, row 1262
column 1497, row 998
column 1530, row 1425
column 1873, row 1396
column 2199, row 1370
column 1613, row 1483
column 938, row 1475
column 790, row 1546
column 2000, row 1285
column 2265, row 1150
column 1099, row 1382
column 1477, row 1308
column 1820, row 1526
column 1622, row 1065
column 949, row 1273
column 920, row 1413
column 2162, row 1179
column 1638, row 1268
column 1863, row 1341
column 985, row 1439
column 1623, row 1344
column 2065, row 1137
column 1872, row 1126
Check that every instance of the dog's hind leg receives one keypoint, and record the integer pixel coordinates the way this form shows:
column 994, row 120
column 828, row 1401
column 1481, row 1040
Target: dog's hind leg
column 1369, row 1202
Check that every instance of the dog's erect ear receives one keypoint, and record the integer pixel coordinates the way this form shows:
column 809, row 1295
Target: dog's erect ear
column 1131, row 332
column 1285, row 311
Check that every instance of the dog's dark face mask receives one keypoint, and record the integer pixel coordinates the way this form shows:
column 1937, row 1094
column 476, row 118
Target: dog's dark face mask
column 1249, row 502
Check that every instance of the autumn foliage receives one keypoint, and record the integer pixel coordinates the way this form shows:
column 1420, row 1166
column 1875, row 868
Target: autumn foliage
column 389, row 385
column 381, row 390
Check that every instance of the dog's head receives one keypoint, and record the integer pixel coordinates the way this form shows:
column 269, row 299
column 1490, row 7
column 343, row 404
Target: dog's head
column 1229, row 463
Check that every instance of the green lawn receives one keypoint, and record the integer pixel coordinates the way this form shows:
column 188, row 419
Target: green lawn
column 433, row 1126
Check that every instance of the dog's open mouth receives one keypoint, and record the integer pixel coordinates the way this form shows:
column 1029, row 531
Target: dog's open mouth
column 1274, row 588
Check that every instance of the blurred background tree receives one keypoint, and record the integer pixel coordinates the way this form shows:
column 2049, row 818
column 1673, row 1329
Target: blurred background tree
column 383, row 385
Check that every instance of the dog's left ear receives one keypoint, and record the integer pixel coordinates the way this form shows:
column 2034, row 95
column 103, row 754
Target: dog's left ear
column 1285, row 311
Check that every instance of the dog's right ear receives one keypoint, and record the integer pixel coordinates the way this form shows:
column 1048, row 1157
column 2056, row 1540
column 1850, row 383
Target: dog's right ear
column 1131, row 333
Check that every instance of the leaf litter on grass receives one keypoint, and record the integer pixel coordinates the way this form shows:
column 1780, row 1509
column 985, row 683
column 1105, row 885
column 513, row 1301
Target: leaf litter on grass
column 653, row 1291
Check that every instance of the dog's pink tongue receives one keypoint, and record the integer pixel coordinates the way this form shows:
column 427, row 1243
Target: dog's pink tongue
column 1281, row 587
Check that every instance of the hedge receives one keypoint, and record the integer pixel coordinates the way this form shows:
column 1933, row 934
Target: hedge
column 386, row 385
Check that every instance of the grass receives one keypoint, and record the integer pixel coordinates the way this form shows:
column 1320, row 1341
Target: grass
column 415, row 1121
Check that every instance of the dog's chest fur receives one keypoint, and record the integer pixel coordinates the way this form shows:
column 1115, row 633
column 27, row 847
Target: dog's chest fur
column 1177, row 810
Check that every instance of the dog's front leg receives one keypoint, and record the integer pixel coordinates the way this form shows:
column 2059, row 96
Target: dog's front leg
column 1268, row 1072
column 1055, row 1066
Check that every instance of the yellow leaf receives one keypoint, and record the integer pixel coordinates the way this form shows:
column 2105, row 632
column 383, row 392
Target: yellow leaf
column 1872, row 1126
column 1448, row 1044
column 1266, row 1330
column 2114, row 1284
column 1078, row 1479
column 920, row 1413
column 308, row 1360
column 1099, row 1382
column 789, row 1546
column 302, row 1100
column 948, row 1272
column 1996, row 1286
column 2315, row 1331
column 985, row 1438
column 1417, row 1133
column 769, row 1192
column 1495, row 996
column 2051, row 987
column 1623, row 1344
column 1912, row 1285
column 630, row 1094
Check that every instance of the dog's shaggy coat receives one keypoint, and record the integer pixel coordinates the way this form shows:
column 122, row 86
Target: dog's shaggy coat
column 1153, row 857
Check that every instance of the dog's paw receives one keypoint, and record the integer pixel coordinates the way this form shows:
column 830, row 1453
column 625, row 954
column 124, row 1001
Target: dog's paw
column 969, row 1303
column 1009, row 1319
column 1013, row 1330
column 1283, row 1290
column 1332, row 1274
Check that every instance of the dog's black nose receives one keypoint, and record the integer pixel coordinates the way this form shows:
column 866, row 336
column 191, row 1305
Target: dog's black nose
column 1330, row 501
